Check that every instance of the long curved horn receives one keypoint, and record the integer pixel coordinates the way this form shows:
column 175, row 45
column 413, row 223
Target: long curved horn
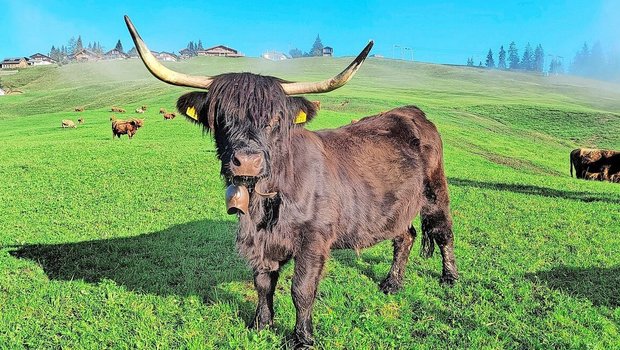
column 159, row 70
column 329, row 84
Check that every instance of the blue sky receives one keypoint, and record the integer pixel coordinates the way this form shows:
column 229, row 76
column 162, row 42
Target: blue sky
column 442, row 32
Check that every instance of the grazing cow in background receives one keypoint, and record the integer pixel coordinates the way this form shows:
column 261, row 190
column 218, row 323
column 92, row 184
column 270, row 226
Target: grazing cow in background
column 587, row 162
column 67, row 123
column 80, row 120
column 79, row 109
column 298, row 194
column 128, row 127
column 143, row 108
column 118, row 110
column 140, row 110
column 169, row 116
column 162, row 111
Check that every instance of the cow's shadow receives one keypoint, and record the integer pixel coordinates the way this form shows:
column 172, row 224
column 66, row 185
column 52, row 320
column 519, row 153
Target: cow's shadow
column 599, row 285
column 188, row 259
column 536, row 190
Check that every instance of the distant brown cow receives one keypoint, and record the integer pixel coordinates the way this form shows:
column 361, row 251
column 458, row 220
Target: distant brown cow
column 80, row 120
column 129, row 127
column 79, row 109
column 66, row 123
column 169, row 116
column 143, row 108
column 588, row 161
column 162, row 111
column 118, row 109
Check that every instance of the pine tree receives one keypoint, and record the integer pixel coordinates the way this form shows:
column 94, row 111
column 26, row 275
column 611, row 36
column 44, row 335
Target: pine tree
column 502, row 58
column 133, row 52
column 119, row 46
column 470, row 61
column 71, row 45
column 199, row 47
column 526, row 61
column 513, row 56
column 555, row 67
column 580, row 63
column 490, row 62
column 317, row 47
column 78, row 44
column 596, row 63
column 539, row 59
column 90, row 46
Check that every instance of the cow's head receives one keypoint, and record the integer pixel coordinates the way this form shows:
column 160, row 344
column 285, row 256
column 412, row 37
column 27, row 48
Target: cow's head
column 251, row 116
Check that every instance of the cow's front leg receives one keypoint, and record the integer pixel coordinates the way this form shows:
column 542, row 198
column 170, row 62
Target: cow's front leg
column 265, row 284
column 308, row 268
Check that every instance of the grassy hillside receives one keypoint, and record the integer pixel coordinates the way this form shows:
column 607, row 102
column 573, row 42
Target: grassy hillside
column 125, row 244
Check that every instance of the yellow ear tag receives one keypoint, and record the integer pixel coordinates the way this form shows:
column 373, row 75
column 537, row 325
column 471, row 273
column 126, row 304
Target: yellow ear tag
column 191, row 112
column 301, row 117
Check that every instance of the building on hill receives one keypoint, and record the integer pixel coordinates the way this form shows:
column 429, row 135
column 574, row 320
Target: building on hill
column 220, row 51
column 84, row 55
column 328, row 51
column 15, row 62
column 115, row 54
column 39, row 59
column 167, row 56
column 274, row 56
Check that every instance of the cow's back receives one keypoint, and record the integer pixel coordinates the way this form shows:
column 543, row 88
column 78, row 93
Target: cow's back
column 373, row 175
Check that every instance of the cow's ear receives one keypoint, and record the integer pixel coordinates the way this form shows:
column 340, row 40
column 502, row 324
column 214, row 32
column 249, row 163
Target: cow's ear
column 303, row 111
column 193, row 106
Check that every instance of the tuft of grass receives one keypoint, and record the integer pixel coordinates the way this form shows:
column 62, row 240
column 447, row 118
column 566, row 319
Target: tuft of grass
column 125, row 244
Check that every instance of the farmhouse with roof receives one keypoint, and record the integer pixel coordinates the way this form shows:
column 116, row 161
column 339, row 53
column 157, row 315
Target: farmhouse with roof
column 115, row 54
column 84, row 55
column 328, row 51
column 167, row 56
column 15, row 62
column 39, row 59
column 220, row 51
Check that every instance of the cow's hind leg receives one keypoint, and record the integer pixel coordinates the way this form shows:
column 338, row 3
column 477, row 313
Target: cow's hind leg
column 402, row 247
column 437, row 225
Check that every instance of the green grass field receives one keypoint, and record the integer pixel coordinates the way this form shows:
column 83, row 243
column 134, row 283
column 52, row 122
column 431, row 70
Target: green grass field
column 126, row 245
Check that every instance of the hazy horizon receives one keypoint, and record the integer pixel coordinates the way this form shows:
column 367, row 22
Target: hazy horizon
column 449, row 32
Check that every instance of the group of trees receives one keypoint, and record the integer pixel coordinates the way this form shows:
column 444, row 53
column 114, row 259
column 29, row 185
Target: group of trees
column 193, row 48
column 588, row 62
column 595, row 64
column 63, row 54
column 532, row 59
column 316, row 50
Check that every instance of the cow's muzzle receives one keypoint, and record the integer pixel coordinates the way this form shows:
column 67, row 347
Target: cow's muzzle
column 246, row 164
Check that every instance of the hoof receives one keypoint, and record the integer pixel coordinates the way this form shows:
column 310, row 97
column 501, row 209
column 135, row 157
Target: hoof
column 447, row 280
column 388, row 286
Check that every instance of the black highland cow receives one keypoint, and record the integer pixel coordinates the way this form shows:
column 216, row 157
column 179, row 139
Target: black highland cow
column 298, row 194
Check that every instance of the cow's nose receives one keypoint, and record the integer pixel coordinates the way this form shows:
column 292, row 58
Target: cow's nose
column 246, row 164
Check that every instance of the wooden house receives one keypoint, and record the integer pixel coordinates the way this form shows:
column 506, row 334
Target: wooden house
column 15, row 62
column 220, row 51
column 328, row 51
column 84, row 55
column 115, row 54
column 39, row 59
column 167, row 56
